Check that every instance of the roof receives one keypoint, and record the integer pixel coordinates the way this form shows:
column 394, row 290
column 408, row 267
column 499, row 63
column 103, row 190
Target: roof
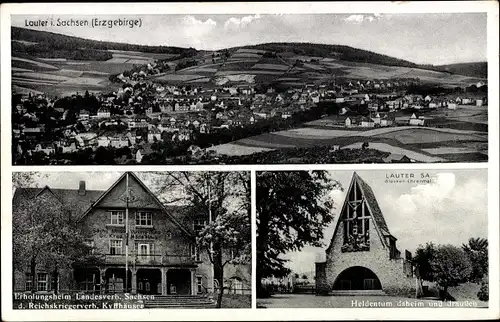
column 373, row 204
column 83, row 204
column 70, row 197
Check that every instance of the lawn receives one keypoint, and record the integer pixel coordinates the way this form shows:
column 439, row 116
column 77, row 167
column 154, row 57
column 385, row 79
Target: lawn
column 236, row 301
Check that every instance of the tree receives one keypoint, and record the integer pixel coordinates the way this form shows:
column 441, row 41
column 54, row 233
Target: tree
column 224, row 198
column 424, row 255
column 293, row 209
column 44, row 234
column 450, row 266
column 477, row 251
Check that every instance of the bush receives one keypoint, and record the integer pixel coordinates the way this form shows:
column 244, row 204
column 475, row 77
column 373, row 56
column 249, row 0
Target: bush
column 483, row 294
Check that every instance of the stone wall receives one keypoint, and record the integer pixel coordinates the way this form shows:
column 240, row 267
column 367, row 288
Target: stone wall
column 389, row 271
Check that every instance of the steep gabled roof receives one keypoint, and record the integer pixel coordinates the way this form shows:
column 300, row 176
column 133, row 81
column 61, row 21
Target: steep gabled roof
column 372, row 204
column 165, row 209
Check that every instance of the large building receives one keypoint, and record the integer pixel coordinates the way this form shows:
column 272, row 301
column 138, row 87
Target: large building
column 362, row 257
column 162, row 255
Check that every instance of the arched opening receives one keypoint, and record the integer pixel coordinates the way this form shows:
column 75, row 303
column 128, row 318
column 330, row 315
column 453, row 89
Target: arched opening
column 115, row 280
column 148, row 281
column 178, row 282
column 357, row 278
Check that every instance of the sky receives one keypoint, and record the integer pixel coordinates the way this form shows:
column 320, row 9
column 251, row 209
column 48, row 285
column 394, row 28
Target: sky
column 430, row 38
column 449, row 210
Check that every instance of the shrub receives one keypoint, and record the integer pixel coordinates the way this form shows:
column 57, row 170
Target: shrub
column 483, row 294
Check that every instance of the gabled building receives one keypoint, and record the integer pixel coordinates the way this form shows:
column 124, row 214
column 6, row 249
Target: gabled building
column 362, row 257
column 162, row 255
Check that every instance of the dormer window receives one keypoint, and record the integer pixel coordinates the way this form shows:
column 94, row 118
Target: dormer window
column 198, row 225
column 144, row 219
column 117, row 218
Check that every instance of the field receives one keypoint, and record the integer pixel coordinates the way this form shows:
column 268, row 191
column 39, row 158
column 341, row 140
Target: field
column 60, row 76
column 423, row 144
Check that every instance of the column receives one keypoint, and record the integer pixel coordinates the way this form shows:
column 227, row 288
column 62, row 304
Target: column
column 193, row 281
column 102, row 276
column 134, row 280
column 164, row 281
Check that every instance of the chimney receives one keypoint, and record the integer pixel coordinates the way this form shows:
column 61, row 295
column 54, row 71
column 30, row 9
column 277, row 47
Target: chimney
column 81, row 189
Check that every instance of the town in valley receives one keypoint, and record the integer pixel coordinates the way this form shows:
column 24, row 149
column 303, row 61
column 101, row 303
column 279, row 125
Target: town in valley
column 87, row 102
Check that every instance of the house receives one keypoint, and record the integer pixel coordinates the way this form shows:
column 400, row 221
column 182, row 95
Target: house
column 362, row 255
column 84, row 115
column 398, row 158
column 154, row 134
column 366, row 122
column 452, row 106
column 118, row 142
column 348, row 122
column 479, row 102
column 142, row 152
column 161, row 244
column 387, row 120
column 418, row 121
column 103, row 141
column 103, row 113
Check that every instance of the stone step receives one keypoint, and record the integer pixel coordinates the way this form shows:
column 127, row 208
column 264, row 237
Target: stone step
column 180, row 301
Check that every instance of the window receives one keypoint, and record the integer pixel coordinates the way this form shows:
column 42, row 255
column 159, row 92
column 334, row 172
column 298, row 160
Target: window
column 90, row 244
column 27, row 284
column 144, row 219
column 115, row 247
column 199, row 283
column 42, row 282
column 195, row 253
column 117, row 218
column 198, row 225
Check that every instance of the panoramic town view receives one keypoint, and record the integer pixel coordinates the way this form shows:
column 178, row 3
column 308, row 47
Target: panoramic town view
column 87, row 97
column 377, row 239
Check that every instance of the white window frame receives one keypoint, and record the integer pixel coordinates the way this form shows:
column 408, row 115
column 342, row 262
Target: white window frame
column 116, row 247
column 199, row 284
column 139, row 220
column 28, row 281
column 199, row 223
column 45, row 282
column 195, row 253
column 117, row 213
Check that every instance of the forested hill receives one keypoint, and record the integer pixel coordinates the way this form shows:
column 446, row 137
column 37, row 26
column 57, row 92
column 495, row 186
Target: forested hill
column 479, row 69
column 339, row 52
column 346, row 53
column 49, row 44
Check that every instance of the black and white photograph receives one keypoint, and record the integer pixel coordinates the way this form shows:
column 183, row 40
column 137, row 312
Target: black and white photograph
column 372, row 239
column 215, row 161
column 133, row 240
column 225, row 89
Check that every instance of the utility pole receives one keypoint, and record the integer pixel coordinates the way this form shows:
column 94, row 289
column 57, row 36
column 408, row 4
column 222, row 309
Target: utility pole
column 126, row 233
column 209, row 221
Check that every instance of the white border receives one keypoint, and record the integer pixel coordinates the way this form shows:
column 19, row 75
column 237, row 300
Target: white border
column 243, row 8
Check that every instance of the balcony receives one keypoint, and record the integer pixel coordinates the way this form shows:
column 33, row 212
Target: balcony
column 150, row 259
column 178, row 260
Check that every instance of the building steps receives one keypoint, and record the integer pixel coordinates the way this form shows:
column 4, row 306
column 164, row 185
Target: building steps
column 180, row 301
column 357, row 293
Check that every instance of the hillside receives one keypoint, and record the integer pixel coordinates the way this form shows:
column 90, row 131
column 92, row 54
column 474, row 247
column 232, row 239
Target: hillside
column 52, row 45
column 350, row 54
column 61, row 65
column 339, row 52
column 479, row 69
